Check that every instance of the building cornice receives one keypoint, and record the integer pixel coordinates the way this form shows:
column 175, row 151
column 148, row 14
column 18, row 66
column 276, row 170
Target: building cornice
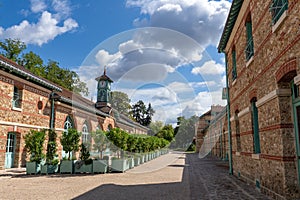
column 231, row 19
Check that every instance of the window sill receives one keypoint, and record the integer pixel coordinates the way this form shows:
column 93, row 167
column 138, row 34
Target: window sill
column 249, row 61
column 17, row 109
column 256, row 156
column 234, row 82
column 279, row 22
column 237, row 153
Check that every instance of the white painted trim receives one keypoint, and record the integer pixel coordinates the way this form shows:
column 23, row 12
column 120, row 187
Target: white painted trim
column 249, row 61
column 244, row 112
column 17, row 109
column 279, row 22
column 256, row 156
column 237, row 153
column 273, row 95
column 234, row 82
column 22, row 125
column 297, row 79
column 15, row 125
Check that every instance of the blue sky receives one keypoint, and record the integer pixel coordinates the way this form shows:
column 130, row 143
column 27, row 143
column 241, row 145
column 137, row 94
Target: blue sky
column 160, row 51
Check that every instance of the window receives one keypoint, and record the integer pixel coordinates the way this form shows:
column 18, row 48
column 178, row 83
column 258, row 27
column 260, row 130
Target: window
column 277, row 8
column 234, row 73
column 255, row 128
column 85, row 133
column 68, row 123
column 237, row 132
column 17, row 98
column 249, row 45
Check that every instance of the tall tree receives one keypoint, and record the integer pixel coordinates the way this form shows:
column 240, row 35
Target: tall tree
column 34, row 63
column 121, row 102
column 141, row 113
column 12, row 48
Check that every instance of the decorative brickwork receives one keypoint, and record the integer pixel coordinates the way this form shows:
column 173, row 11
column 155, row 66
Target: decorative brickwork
column 267, row 77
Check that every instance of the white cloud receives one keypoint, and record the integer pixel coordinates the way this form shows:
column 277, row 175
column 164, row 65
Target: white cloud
column 48, row 25
column 209, row 68
column 37, row 6
column 62, row 8
column 202, row 20
column 44, row 30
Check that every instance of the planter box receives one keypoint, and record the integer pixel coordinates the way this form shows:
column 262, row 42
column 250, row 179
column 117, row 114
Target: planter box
column 100, row 166
column 49, row 169
column 66, row 166
column 137, row 161
column 32, row 168
column 119, row 165
column 142, row 159
column 80, row 167
column 130, row 163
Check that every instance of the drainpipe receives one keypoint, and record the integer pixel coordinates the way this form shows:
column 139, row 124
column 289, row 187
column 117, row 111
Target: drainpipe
column 52, row 111
column 228, row 118
column 53, row 97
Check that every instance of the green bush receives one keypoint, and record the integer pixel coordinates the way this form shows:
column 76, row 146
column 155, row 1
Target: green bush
column 34, row 142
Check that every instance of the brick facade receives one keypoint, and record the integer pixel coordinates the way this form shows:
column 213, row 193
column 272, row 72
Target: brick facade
column 267, row 78
column 36, row 108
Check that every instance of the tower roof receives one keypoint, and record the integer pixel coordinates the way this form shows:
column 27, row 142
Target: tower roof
column 104, row 77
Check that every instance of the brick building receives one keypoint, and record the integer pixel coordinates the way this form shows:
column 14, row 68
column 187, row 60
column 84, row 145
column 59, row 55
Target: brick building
column 261, row 44
column 30, row 102
column 212, row 134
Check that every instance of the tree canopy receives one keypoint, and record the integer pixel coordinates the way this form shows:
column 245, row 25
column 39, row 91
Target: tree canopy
column 13, row 48
column 142, row 114
column 121, row 102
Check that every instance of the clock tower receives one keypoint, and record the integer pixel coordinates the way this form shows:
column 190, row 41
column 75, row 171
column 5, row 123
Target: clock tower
column 104, row 93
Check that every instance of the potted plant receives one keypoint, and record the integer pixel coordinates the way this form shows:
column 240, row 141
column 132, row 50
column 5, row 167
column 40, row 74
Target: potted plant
column 85, row 164
column 51, row 165
column 34, row 142
column 100, row 144
column 70, row 142
column 118, row 138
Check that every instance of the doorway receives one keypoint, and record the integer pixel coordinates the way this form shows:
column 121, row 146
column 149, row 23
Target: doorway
column 10, row 150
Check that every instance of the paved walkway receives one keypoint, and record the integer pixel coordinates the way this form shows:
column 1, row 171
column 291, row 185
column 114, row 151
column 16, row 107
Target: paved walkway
column 172, row 176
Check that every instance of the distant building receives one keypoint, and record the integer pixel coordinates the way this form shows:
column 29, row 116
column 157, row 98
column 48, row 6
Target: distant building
column 261, row 45
column 30, row 102
column 212, row 132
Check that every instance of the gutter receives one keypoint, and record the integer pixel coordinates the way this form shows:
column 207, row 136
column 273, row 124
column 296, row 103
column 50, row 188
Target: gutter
column 228, row 117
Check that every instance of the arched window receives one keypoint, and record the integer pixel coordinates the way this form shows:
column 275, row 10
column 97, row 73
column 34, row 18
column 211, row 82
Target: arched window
column 85, row 133
column 68, row 123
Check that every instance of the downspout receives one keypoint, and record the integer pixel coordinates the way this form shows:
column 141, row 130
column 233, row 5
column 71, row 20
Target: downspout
column 52, row 98
column 228, row 117
column 52, row 111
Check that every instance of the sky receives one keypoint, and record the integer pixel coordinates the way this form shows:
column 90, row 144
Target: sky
column 163, row 52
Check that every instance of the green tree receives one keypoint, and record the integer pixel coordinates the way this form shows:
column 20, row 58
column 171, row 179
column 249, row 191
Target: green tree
column 34, row 142
column 12, row 48
column 121, row 102
column 70, row 141
column 34, row 63
column 155, row 127
column 141, row 113
column 166, row 133
column 51, row 148
column 185, row 132
column 101, row 143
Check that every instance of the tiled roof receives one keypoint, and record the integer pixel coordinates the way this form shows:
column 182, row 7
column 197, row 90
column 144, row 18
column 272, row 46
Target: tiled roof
column 232, row 16
column 21, row 71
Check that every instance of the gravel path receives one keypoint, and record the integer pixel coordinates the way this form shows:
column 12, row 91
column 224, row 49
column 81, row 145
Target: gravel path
column 172, row 176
